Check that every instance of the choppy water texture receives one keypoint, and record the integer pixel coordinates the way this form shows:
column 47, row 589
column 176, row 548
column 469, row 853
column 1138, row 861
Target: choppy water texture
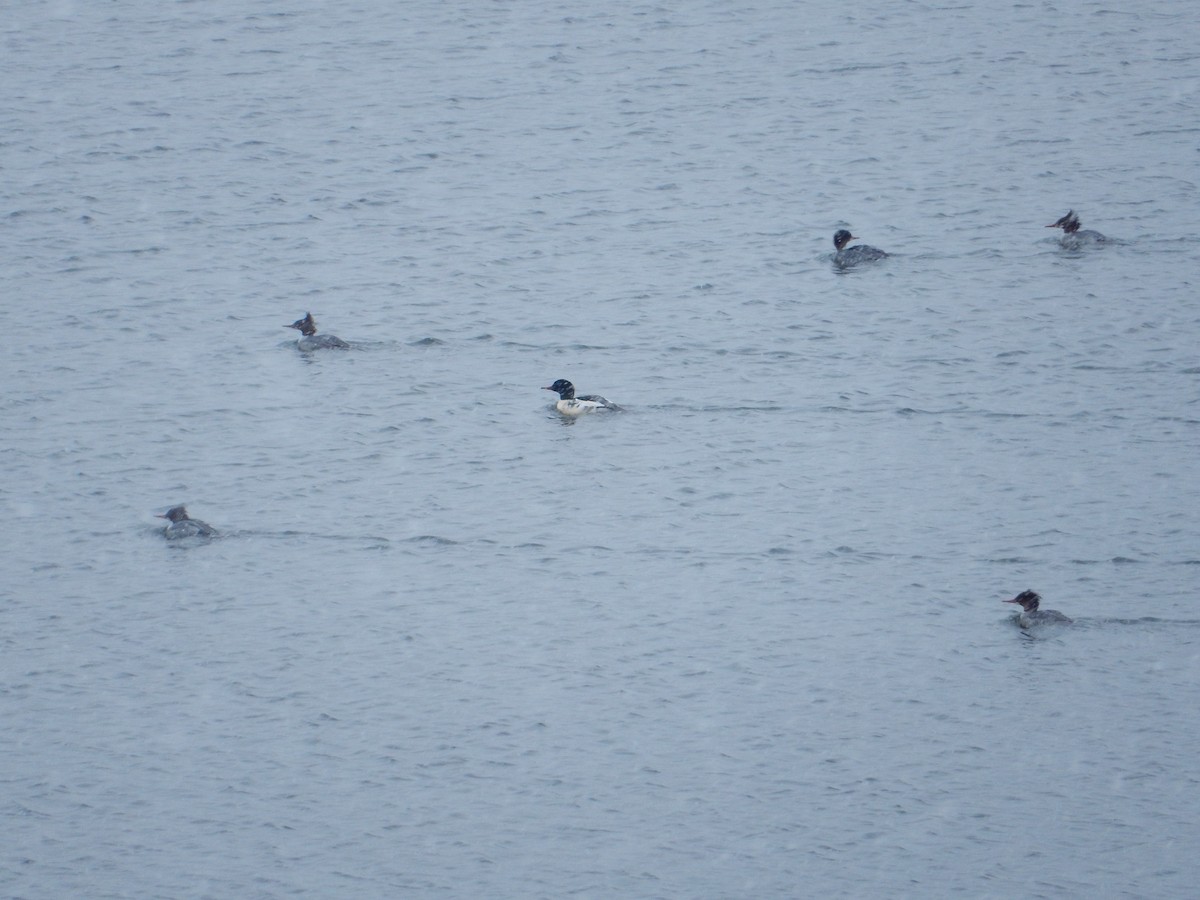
column 744, row 639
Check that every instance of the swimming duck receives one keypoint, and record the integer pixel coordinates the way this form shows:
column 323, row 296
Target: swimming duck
column 310, row 340
column 1031, row 615
column 1072, row 237
column 181, row 525
column 570, row 405
column 852, row 256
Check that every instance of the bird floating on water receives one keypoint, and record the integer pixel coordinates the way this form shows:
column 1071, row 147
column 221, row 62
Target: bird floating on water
column 1072, row 237
column 570, row 405
column 1030, row 614
column 181, row 525
column 852, row 256
column 310, row 340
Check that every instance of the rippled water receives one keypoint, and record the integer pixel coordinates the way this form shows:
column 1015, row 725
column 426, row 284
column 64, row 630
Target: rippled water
column 744, row 639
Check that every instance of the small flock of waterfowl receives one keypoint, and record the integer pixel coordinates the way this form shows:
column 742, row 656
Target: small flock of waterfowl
column 569, row 404
column 181, row 525
column 1072, row 239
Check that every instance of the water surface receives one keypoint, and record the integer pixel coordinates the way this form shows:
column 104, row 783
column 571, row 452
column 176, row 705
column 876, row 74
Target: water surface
column 744, row 639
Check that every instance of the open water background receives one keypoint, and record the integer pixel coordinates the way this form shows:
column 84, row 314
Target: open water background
column 742, row 640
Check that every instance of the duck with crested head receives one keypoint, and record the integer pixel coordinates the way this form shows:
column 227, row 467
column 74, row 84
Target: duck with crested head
column 1030, row 615
column 852, row 256
column 181, row 525
column 1073, row 238
column 310, row 340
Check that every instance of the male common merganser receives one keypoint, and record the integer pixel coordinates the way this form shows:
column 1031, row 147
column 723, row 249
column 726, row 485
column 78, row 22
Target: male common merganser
column 1072, row 237
column 852, row 256
column 1031, row 615
column 570, row 405
column 182, row 526
column 310, row 340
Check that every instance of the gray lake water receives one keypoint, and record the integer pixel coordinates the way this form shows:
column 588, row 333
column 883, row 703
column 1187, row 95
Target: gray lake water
column 744, row 639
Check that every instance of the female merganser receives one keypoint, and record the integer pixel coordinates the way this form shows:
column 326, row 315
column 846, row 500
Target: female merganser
column 181, row 526
column 854, row 255
column 1031, row 615
column 1072, row 237
column 570, row 405
column 310, row 340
